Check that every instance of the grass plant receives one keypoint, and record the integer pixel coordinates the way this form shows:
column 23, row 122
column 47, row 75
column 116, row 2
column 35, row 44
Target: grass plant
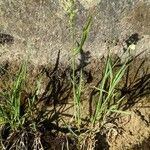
column 71, row 11
column 108, row 91
column 10, row 107
column 18, row 116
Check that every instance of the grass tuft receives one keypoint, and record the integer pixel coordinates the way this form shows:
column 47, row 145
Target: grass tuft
column 10, row 109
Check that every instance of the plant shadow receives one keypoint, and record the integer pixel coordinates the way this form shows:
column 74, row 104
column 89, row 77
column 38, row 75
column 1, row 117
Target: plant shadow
column 137, row 87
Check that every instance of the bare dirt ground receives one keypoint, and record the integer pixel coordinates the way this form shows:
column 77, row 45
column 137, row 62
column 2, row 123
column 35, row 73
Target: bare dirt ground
column 135, row 129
